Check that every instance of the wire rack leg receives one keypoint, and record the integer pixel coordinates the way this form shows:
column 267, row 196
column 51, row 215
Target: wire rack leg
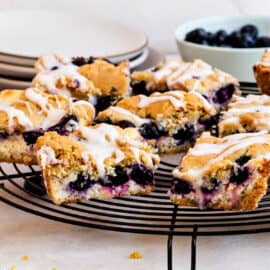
column 170, row 240
column 194, row 248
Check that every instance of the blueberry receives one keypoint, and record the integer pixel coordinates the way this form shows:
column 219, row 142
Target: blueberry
column 263, row 42
column 181, row 186
column 250, row 29
column 210, row 38
column 34, row 185
column 65, row 125
column 234, row 39
column 141, row 175
column 150, row 131
column 54, row 67
column 240, row 176
column 224, row 94
column 198, row 36
column 82, row 183
column 125, row 124
column 103, row 103
column 120, row 177
column 208, row 123
column 79, row 61
column 242, row 160
column 139, row 88
column 220, row 37
column 30, row 137
column 213, row 185
column 247, row 41
column 3, row 135
column 185, row 134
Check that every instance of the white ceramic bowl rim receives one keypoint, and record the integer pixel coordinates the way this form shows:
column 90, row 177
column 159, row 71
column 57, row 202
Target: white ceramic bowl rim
column 180, row 31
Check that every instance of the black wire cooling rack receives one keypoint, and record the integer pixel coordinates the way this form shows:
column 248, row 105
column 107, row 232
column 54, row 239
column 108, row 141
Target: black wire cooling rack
column 150, row 214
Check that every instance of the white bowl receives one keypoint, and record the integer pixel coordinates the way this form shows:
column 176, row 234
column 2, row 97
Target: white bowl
column 238, row 62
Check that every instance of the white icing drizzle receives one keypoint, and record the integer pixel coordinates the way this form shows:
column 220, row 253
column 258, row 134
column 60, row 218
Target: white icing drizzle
column 207, row 105
column 100, row 143
column 138, row 120
column 46, row 62
column 227, row 146
column 176, row 99
column 50, row 78
column 47, row 156
column 54, row 115
column 83, row 103
column 251, row 105
column 13, row 114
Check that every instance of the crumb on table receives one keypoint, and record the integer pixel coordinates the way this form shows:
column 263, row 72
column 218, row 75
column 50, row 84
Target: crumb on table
column 12, row 267
column 25, row 258
column 135, row 255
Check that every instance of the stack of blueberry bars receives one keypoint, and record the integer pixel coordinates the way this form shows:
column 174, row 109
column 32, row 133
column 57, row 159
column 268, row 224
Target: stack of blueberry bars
column 98, row 131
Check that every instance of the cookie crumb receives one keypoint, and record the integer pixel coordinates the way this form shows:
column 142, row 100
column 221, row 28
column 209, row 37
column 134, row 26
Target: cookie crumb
column 12, row 267
column 54, row 268
column 135, row 255
column 25, row 258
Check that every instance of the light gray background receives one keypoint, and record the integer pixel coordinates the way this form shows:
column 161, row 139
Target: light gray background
column 158, row 18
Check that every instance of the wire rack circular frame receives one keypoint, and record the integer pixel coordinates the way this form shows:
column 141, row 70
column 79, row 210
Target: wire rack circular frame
column 148, row 214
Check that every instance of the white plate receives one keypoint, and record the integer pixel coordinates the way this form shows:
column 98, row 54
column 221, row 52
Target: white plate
column 25, row 72
column 32, row 33
column 154, row 58
column 17, row 71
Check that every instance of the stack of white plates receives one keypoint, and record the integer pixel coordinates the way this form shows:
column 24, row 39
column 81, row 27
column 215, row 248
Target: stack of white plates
column 25, row 35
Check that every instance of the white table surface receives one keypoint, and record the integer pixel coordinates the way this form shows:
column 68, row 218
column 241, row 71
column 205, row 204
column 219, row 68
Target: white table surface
column 51, row 244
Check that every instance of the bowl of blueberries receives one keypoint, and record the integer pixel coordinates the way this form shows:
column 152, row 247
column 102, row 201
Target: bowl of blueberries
column 231, row 43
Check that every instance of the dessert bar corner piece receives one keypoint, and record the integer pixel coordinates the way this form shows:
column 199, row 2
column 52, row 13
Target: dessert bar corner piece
column 27, row 114
column 229, row 173
column 171, row 120
column 94, row 79
column 101, row 161
column 245, row 114
column 217, row 86
column 262, row 73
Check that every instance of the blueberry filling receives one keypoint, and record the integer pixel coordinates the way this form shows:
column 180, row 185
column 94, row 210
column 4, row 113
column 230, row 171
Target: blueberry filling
column 103, row 103
column 239, row 176
column 3, row 135
column 224, row 94
column 151, row 131
column 66, row 125
column 54, row 67
column 141, row 175
column 30, row 137
column 119, row 179
column 185, row 134
column 213, row 185
column 125, row 124
column 139, row 88
column 211, row 124
column 181, row 186
column 82, row 183
column 242, row 160
column 80, row 61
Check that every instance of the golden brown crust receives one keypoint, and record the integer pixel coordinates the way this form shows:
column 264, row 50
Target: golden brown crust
column 34, row 113
column 14, row 149
column 112, row 80
column 262, row 73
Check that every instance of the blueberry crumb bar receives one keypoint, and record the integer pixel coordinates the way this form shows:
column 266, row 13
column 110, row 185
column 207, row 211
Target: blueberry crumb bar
column 172, row 120
column 94, row 79
column 217, row 86
column 101, row 161
column 27, row 114
column 262, row 73
column 245, row 114
column 228, row 173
